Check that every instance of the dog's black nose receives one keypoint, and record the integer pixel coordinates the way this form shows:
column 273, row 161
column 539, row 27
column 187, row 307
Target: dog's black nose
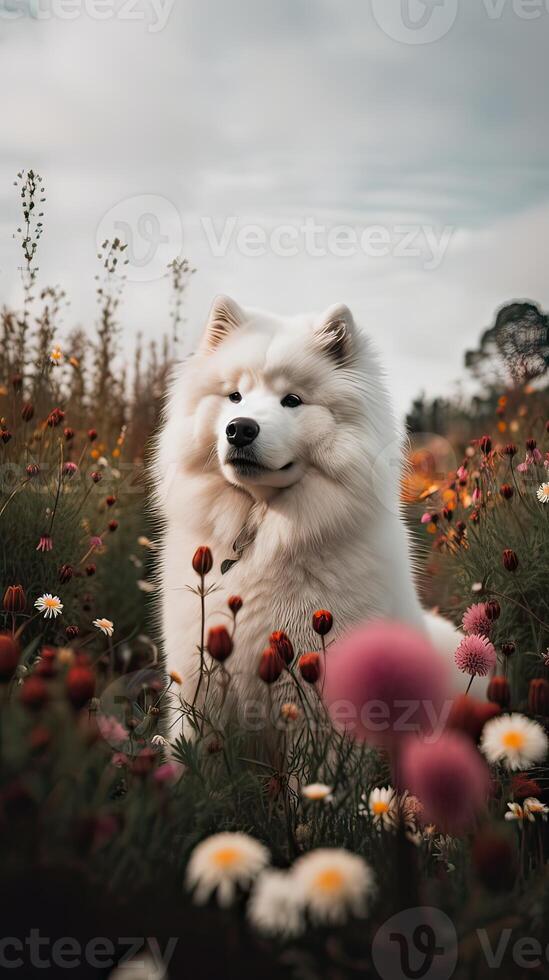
column 241, row 432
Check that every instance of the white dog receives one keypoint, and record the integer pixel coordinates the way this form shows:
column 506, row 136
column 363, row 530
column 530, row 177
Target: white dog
column 280, row 452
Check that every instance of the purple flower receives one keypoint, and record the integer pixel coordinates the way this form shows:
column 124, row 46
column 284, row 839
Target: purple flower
column 475, row 655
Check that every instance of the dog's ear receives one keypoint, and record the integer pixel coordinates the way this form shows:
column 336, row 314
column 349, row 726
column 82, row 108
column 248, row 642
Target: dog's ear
column 335, row 333
column 224, row 317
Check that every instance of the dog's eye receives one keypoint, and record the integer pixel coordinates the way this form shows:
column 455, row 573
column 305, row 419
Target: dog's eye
column 291, row 401
column 235, row 396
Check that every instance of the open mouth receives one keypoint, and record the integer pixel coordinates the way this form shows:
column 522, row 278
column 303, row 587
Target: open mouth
column 246, row 465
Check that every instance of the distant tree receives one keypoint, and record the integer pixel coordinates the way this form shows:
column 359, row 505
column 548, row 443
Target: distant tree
column 518, row 341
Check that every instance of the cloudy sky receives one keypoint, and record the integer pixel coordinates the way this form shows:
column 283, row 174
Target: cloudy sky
column 391, row 154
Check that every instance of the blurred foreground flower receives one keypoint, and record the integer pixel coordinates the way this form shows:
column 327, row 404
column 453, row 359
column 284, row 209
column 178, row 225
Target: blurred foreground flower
column 273, row 909
column 222, row 863
column 332, row 883
column 514, row 741
column 317, row 792
column 50, row 605
column 9, row 657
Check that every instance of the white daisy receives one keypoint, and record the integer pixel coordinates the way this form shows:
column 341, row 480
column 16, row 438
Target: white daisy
column 383, row 806
column 331, row 883
column 105, row 625
column 514, row 740
column 516, row 812
column 543, row 493
column 317, row 791
column 535, row 808
column 50, row 605
column 221, row 863
column 274, row 909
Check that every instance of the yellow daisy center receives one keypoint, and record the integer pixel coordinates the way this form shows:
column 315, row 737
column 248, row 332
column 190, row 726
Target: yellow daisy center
column 225, row 857
column 380, row 807
column 513, row 739
column 329, row 880
column 51, row 603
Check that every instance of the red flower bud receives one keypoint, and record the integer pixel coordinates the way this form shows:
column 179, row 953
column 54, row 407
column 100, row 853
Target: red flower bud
column 15, row 599
column 5, row 435
column 80, row 685
column 492, row 609
column 235, row 604
column 219, row 645
column 202, row 560
column 69, row 469
column 499, row 692
column 65, row 573
column 309, row 667
column 33, row 469
column 506, row 491
column 34, row 693
column 92, row 435
column 68, row 433
column 510, row 560
column 271, row 665
column 17, row 382
column 96, row 476
column 281, row 642
column 322, row 621
column 469, row 715
column 113, row 526
column 71, row 632
column 9, row 657
column 485, row 445
column 27, row 411
column 510, row 449
column 55, row 418
column 91, row 570
column 508, row 648
column 110, row 500
column 538, row 696
column 531, row 445
column 522, row 786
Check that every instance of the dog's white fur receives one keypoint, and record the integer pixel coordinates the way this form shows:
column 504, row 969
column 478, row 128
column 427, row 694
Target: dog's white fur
column 325, row 532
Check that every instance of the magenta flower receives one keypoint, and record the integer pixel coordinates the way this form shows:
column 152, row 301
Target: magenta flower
column 168, row 772
column 96, row 541
column 475, row 655
column 69, row 469
column 45, row 543
column 384, row 681
column 476, row 620
column 449, row 777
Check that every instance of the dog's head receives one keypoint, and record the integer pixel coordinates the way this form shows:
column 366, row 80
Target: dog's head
column 271, row 395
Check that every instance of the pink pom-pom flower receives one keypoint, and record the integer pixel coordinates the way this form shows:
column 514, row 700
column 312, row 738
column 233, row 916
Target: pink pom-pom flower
column 449, row 777
column 383, row 681
column 475, row 655
column 476, row 619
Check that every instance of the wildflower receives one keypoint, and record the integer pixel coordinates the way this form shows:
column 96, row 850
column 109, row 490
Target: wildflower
column 68, row 433
column 32, row 469
column 273, row 908
column 69, row 469
column 322, row 621
column 310, row 667
column 476, row 496
column 202, row 560
column 91, row 570
column 389, row 664
column 493, row 609
column 34, row 693
column 271, row 665
column 382, row 805
column 542, row 493
column 510, row 450
column 516, row 812
column 223, row 862
column 45, row 543
column 105, row 625
column 92, row 435
column 332, row 883
column 289, row 711
column 475, row 655
column 9, row 657
column 499, row 691
column 476, row 619
column 283, row 646
column 96, row 476
column 538, row 696
column 485, row 445
column 110, row 500
column 514, row 741
column 27, row 411
column 235, row 604
column 449, row 777
column 508, row 648
column 175, row 677
column 55, row 418
column 112, row 525
column 80, row 686
column 535, row 808
column 50, row 605
column 15, row 600
column 56, row 356
column 428, row 518
column 469, row 715
column 71, row 632
column 506, row 491
column 523, row 786
column 159, row 741
column 66, row 572
column 317, row 792
column 510, row 560
column 219, row 645
column 145, row 542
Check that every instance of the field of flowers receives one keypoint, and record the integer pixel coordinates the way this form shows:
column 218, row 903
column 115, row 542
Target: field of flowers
column 309, row 859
